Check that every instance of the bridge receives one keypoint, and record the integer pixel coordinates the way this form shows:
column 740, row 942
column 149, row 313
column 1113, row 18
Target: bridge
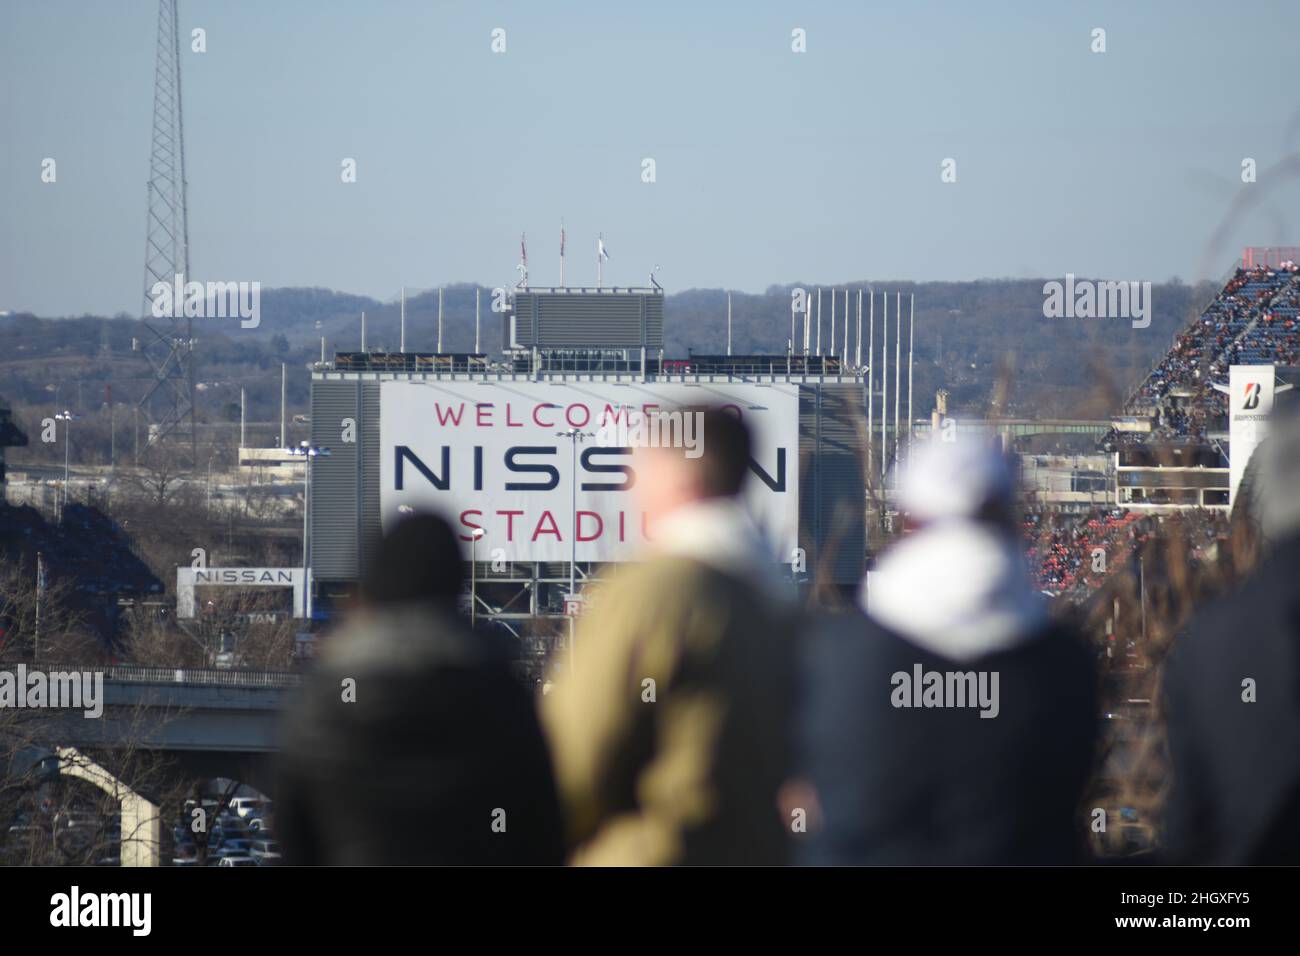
column 209, row 722
column 206, row 723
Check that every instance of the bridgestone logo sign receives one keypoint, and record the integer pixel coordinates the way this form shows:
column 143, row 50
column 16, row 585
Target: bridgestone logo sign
column 487, row 455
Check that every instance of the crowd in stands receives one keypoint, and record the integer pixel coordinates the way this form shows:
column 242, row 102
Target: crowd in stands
column 1061, row 546
column 1253, row 320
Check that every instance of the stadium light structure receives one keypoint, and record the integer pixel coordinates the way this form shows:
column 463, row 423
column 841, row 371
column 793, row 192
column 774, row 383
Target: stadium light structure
column 473, row 576
column 65, row 416
column 575, row 436
column 309, row 452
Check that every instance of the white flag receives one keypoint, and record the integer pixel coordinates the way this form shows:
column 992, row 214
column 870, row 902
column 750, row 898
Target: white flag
column 600, row 249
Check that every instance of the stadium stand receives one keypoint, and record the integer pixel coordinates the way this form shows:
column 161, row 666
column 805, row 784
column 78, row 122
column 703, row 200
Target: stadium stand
column 1254, row 319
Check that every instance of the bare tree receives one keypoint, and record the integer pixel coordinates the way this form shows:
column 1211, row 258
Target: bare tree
column 159, row 474
column 30, row 615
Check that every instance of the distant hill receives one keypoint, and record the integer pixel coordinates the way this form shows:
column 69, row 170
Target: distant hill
column 964, row 332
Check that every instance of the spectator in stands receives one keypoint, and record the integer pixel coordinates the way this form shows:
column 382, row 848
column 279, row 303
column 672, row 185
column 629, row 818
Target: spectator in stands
column 670, row 733
column 996, row 780
column 1232, row 686
column 413, row 743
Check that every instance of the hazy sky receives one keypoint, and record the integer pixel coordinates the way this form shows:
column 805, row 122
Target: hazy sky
column 772, row 166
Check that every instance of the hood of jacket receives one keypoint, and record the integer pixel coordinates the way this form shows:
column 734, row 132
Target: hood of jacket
column 721, row 533
column 957, row 589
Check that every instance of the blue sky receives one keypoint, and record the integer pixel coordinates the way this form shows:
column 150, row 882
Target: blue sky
column 772, row 166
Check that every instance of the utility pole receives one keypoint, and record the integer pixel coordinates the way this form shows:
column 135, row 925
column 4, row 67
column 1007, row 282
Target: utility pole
column 575, row 436
column 473, row 570
column 284, row 437
column 168, row 345
column 309, row 453
column 40, row 594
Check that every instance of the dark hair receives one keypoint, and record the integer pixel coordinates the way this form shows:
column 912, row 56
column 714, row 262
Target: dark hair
column 418, row 559
column 724, row 461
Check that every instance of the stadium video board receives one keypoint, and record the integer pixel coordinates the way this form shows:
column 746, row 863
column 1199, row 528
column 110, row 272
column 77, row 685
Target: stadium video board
column 489, row 455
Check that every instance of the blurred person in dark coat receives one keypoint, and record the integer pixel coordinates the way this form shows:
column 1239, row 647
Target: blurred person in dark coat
column 994, row 777
column 439, row 759
column 1232, row 685
column 671, row 734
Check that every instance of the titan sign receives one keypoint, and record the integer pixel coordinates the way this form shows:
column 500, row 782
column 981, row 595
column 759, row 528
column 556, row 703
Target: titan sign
column 486, row 455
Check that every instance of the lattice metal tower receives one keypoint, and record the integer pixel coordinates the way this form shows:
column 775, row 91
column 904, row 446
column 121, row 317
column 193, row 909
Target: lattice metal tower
column 168, row 341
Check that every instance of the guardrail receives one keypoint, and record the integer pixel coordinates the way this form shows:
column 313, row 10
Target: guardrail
column 205, row 676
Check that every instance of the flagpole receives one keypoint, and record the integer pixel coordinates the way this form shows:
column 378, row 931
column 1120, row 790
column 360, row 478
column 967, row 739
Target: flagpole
column 600, row 249
column 845, row 346
column 562, row 254
column 439, row 320
column 728, row 324
column 898, row 372
column 871, row 362
column 792, row 313
column 478, row 293
column 884, row 389
column 834, row 296
column 402, row 346
column 807, row 329
column 911, row 341
column 857, row 361
column 819, row 321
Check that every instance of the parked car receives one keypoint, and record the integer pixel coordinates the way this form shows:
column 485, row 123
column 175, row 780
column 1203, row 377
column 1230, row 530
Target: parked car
column 265, row 852
column 248, row 806
column 236, row 861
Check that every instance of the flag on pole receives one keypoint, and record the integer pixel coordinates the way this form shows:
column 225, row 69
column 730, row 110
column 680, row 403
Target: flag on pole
column 523, row 249
column 600, row 249
column 561, row 240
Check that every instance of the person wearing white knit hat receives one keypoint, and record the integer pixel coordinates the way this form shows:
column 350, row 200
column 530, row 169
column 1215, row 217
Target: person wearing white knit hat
column 948, row 720
column 957, row 585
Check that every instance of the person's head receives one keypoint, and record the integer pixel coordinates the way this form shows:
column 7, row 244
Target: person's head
column 668, row 478
column 966, row 480
column 418, row 559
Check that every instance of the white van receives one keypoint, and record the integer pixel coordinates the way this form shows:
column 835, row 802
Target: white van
column 244, row 806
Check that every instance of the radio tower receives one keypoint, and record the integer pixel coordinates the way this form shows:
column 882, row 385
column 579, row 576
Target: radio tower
column 168, row 341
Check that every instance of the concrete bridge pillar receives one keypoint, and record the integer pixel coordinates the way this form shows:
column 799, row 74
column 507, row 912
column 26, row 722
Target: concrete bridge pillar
column 141, row 822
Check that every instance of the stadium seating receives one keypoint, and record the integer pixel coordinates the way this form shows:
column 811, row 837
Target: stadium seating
column 1255, row 319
